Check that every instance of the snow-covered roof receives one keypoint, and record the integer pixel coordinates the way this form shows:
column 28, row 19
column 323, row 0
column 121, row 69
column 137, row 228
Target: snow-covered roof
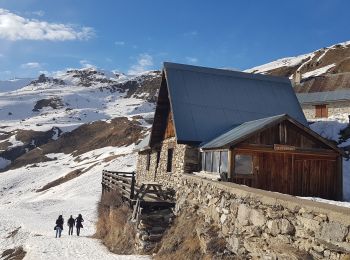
column 324, row 97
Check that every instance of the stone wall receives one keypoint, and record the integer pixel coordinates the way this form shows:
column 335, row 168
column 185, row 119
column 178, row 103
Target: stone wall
column 256, row 223
column 335, row 110
column 185, row 160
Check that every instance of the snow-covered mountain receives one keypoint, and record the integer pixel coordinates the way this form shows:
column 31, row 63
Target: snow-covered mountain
column 13, row 84
column 49, row 106
column 322, row 70
column 56, row 135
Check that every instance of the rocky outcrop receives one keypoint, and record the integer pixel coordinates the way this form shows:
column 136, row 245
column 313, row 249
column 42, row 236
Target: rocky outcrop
column 54, row 103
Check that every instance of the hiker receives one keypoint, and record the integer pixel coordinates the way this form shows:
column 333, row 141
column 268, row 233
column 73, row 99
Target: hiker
column 71, row 224
column 79, row 220
column 59, row 226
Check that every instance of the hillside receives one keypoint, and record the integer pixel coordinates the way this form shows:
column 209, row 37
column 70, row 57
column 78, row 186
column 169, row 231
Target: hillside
column 56, row 136
column 322, row 70
column 47, row 108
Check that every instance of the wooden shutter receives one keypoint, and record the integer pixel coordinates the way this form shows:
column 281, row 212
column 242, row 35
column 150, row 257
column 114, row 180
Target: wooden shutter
column 321, row 111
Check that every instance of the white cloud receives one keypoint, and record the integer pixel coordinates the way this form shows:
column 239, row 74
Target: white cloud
column 119, row 43
column 144, row 62
column 191, row 59
column 86, row 64
column 31, row 65
column 191, row 33
column 39, row 13
column 14, row 27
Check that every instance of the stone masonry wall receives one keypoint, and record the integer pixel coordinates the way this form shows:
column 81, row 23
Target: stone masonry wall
column 185, row 160
column 335, row 110
column 261, row 224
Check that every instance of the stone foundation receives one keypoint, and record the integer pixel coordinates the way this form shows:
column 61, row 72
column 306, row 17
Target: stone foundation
column 256, row 223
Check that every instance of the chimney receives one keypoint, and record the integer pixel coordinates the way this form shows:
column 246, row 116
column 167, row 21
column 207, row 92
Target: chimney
column 297, row 77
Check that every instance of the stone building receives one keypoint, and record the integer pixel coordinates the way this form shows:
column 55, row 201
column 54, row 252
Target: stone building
column 328, row 104
column 238, row 127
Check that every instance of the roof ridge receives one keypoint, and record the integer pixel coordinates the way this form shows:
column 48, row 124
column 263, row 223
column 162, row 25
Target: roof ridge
column 225, row 72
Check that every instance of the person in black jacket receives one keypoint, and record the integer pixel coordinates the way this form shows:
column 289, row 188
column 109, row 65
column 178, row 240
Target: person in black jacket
column 79, row 224
column 71, row 224
column 59, row 226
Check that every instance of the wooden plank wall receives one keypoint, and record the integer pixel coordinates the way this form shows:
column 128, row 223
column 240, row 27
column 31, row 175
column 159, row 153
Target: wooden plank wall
column 286, row 133
column 295, row 174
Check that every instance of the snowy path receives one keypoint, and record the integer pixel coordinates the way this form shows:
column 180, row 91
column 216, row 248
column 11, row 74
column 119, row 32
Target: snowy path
column 33, row 214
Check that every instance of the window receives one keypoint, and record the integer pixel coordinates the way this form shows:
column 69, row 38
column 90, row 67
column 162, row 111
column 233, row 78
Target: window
column 148, row 161
column 208, row 161
column 321, row 111
column 203, row 161
column 243, row 164
column 216, row 161
column 223, row 161
column 169, row 166
column 158, row 158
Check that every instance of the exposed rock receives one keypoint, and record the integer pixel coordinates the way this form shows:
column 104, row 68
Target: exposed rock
column 243, row 215
column 286, row 227
column 333, row 231
column 257, row 218
column 274, row 227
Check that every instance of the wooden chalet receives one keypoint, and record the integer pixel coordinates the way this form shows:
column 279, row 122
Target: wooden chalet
column 238, row 127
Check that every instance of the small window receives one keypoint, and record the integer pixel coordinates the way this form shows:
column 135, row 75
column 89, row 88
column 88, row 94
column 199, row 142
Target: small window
column 321, row 111
column 148, row 161
column 223, row 161
column 203, row 161
column 170, row 160
column 216, row 161
column 208, row 161
column 243, row 164
column 158, row 158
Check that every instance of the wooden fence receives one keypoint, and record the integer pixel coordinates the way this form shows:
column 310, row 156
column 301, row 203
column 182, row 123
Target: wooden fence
column 150, row 193
column 124, row 182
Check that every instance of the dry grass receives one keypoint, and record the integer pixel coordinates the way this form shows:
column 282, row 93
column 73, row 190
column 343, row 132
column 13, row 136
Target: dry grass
column 113, row 226
column 181, row 240
column 17, row 253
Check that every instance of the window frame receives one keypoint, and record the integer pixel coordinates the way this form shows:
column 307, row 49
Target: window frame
column 251, row 162
column 210, row 169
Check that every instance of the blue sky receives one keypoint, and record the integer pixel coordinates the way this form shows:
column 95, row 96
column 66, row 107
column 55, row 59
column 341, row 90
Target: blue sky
column 131, row 36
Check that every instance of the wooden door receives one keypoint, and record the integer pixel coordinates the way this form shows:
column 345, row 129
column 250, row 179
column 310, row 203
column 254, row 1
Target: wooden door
column 315, row 177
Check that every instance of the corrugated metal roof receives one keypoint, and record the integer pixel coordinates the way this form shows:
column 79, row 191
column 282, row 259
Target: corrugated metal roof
column 322, row 97
column 239, row 132
column 144, row 144
column 205, row 101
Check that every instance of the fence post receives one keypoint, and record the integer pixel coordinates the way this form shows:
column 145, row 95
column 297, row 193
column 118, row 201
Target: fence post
column 132, row 189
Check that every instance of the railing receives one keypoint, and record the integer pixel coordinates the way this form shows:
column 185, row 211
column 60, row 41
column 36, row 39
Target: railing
column 124, row 182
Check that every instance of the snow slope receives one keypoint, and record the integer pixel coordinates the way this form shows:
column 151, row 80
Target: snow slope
column 13, row 84
column 71, row 99
column 34, row 213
